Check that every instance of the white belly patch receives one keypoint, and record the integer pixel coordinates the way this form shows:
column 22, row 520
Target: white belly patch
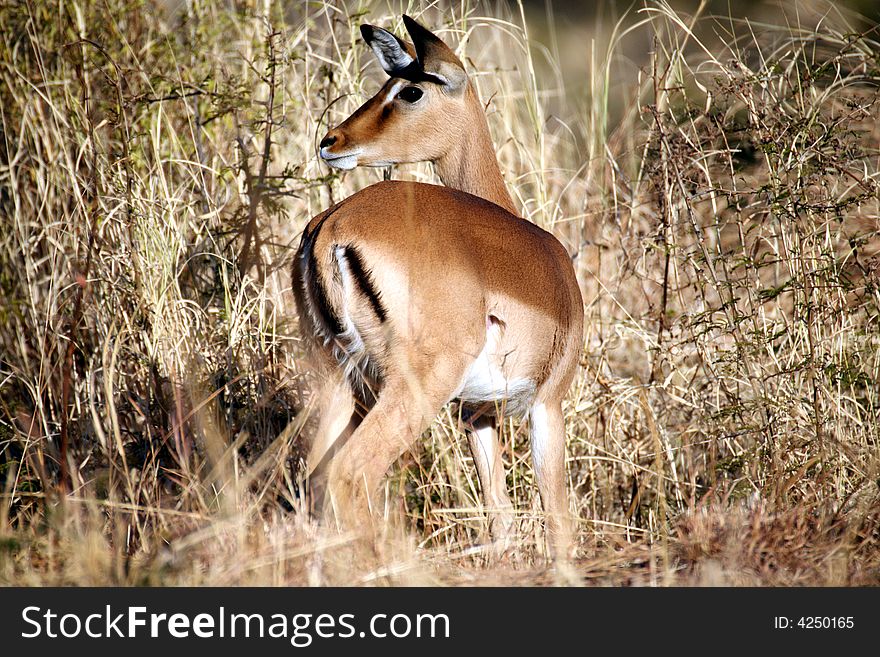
column 485, row 380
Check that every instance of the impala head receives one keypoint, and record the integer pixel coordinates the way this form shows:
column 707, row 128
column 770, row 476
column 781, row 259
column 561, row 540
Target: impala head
column 422, row 112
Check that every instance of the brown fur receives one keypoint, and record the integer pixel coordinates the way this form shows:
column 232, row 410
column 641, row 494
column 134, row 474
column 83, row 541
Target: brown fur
column 447, row 269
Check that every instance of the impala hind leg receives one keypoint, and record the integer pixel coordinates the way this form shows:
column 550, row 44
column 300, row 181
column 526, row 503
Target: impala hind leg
column 336, row 414
column 337, row 420
column 547, row 436
column 486, row 452
column 388, row 430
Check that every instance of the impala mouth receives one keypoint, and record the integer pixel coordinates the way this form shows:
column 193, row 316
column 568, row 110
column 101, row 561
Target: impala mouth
column 344, row 161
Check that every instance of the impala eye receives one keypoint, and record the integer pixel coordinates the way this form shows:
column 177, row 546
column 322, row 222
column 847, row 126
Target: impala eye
column 410, row 94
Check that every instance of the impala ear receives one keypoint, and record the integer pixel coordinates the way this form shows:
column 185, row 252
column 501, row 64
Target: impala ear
column 394, row 55
column 435, row 57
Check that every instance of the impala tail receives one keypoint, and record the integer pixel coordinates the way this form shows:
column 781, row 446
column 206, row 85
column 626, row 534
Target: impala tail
column 337, row 298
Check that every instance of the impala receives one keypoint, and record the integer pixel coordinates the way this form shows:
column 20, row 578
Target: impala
column 419, row 294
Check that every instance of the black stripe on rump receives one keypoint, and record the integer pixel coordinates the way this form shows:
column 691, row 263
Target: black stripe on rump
column 364, row 280
column 316, row 291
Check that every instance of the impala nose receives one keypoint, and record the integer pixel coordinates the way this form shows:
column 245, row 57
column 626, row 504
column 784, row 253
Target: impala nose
column 337, row 152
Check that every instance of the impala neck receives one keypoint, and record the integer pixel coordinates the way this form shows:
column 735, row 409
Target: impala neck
column 471, row 165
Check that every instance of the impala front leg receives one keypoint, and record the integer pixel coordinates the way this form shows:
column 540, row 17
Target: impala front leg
column 486, row 452
column 547, row 437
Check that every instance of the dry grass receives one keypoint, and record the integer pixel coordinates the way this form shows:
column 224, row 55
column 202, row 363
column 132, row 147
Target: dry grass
column 716, row 180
